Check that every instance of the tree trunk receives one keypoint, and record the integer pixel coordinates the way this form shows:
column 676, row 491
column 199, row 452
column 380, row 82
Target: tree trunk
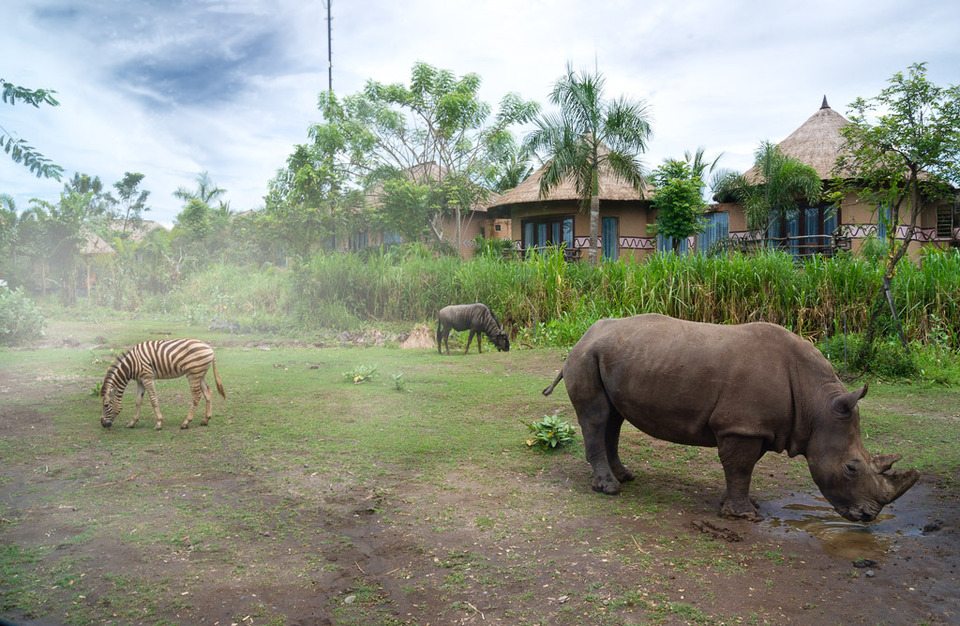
column 884, row 293
column 593, row 255
column 459, row 242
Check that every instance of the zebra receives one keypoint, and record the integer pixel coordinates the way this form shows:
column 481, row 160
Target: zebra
column 162, row 359
column 477, row 318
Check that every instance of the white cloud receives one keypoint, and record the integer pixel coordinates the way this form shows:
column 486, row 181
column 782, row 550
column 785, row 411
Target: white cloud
column 171, row 89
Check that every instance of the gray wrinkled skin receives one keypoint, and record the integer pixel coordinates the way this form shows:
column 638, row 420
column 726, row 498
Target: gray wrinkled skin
column 746, row 390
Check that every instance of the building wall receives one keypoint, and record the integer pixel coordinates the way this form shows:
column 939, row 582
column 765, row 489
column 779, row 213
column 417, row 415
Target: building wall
column 857, row 220
column 634, row 239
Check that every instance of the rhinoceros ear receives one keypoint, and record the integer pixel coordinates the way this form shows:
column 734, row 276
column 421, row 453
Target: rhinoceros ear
column 843, row 404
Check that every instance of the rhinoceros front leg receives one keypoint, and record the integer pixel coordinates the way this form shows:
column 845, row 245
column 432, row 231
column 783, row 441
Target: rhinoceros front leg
column 739, row 455
column 594, row 422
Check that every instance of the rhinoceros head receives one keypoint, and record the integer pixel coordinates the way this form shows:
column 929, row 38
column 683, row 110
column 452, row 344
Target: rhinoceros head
column 858, row 484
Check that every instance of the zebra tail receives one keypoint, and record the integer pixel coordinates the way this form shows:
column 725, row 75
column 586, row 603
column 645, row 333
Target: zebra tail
column 216, row 377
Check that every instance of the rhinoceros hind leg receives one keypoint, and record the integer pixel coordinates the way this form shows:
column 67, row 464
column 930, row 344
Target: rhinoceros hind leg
column 612, row 441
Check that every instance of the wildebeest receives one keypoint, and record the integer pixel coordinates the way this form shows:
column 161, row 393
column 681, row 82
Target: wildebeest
column 746, row 390
column 477, row 318
column 152, row 360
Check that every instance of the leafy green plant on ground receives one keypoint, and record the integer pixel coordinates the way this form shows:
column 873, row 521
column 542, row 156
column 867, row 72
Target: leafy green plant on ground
column 551, row 432
column 361, row 374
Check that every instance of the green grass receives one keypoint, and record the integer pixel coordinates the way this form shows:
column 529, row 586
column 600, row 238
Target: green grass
column 447, row 455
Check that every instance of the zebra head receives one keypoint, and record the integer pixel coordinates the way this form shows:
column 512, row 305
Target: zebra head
column 112, row 405
column 501, row 341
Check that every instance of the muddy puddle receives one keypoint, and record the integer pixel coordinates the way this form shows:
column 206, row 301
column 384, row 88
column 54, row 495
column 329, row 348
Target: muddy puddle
column 913, row 515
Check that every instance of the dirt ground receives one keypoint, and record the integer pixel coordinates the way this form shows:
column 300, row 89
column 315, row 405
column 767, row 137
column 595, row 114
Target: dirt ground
column 409, row 552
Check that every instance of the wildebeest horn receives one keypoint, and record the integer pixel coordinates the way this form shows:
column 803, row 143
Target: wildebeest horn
column 882, row 462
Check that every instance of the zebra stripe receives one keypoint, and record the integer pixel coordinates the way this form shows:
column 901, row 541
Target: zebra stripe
column 159, row 359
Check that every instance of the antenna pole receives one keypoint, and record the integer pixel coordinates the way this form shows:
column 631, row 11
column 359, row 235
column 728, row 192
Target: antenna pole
column 329, row 44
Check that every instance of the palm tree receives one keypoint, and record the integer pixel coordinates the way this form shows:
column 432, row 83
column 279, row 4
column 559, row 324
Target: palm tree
column 778, row 181
column 206, row 191
column 590, row 134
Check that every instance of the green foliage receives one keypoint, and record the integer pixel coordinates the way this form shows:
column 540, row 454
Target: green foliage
column 20, row 319
column 493, row 248
column 551, row 432
column 887, row 360
column 361, row 374
column 678, row 201
column 399, row 383
column 18, row 149
column 590, row 135
column 780, row 182
column 434, row 133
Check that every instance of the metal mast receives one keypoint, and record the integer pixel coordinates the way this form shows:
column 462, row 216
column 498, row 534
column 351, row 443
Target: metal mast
column 329, row 44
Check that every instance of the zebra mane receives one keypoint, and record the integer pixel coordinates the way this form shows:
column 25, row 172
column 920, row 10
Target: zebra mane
column 111, row 377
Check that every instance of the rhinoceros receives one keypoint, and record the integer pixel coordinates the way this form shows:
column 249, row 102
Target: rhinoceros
column 745, row 389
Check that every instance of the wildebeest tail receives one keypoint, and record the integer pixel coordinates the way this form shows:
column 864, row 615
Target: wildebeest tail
column 549, row 389
column 216, row 377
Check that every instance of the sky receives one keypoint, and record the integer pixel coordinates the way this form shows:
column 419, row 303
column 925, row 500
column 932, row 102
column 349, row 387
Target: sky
column 172, row 88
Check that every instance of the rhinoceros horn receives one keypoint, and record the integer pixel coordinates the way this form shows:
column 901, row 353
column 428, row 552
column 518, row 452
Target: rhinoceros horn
column 897, row 480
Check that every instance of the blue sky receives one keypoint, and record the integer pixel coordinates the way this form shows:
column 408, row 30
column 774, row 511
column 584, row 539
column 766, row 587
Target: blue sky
column 172, row 88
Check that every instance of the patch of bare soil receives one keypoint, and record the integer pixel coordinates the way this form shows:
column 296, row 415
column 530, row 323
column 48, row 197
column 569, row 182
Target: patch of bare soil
column 420, row 337
column 484, row 546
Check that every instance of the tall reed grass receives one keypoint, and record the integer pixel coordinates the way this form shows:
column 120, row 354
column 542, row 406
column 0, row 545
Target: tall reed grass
column 548, row 300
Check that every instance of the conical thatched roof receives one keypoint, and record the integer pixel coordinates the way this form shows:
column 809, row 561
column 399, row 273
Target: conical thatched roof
column 94, row 243
column 612, row 187
column 817, row 142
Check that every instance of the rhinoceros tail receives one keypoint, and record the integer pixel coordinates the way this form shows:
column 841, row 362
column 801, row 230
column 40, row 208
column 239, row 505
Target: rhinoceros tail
column 549, row 389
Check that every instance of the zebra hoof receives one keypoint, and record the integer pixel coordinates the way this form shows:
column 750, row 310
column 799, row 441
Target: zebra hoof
column 184, row 425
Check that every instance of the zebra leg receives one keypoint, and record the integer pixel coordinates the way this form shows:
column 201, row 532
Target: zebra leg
column 208, row 396
column 195, row 393
column 136, row 412
column 152, row 393
column 470, row 338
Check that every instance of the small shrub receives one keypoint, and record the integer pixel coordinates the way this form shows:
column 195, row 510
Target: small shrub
column 361, row 374
column 551, row 432
column 888, row 358
column 20, row 319
column 398, row 382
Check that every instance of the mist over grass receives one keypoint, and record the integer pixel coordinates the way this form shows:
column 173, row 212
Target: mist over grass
column 548, row 301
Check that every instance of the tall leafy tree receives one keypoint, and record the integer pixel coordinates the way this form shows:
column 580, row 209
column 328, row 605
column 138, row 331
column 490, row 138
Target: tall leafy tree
column 434, row 131
column 99, row 202
column 574, row 139
column 779, row 183
column 679, row 199
column 18, row 149
column 901, row 151
column 132, row 200
column 307, row 204
column 60, row 230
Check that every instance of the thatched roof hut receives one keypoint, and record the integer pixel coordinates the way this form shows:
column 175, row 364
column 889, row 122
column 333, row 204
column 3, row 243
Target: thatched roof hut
column 817, row 142
column 94, row 243
column 612, row 187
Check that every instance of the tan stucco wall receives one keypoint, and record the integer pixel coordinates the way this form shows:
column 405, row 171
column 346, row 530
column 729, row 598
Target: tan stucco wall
column 470, row 225
column 632, row 222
